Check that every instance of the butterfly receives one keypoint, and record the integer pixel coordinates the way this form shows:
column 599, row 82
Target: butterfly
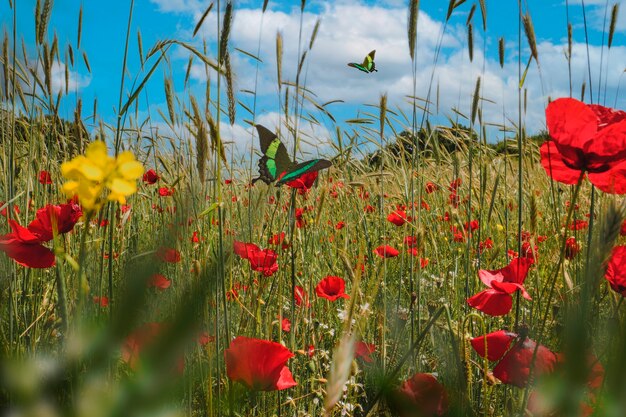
column 367, row 65
column 276, row 163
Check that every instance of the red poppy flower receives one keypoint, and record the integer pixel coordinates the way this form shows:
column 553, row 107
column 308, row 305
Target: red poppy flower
column 300, row 221
column 260, row 260
column 579, row 225
column 301, row 297
column 420, row 396
column 472, row 225
column 410, row 241
column 159, row 281
column 397, row 217
column 497, row 300
column 25, row 248
column 168, row 255
column 586, row 138
column 571, row 248
column 514, row 356
column 430, row 187
column 364, row 350
column 63, row 217
column 487, row 244
column 150, row 177
column 244, row 250
column 331, row 288
column 340, row 225
column 386, row 251
column 101, row 301
column 369, row 209
column 137, row 340
column 205, row 338
column 285, row 325
column 277, row 239
column 45, row 178
column 3, row 212
column 616, row 270
column 305, row 182
column 258, row 364
column 166, row 192
column 264, row 261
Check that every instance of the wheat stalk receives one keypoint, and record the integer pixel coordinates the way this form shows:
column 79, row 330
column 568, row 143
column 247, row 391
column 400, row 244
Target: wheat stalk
column 614, row 13
column 414, row 6
column 530, row 35
column 204, row 15
column 44, row 20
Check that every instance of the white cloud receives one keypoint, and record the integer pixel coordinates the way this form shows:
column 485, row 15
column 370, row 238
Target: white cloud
column 350, row 29
column 75, row 80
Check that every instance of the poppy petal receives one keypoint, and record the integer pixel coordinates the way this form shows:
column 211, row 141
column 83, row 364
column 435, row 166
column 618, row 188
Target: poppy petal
column 492, row 302
column 553, row 162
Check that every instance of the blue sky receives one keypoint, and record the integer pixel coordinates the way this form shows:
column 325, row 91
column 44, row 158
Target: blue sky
column 349, row 29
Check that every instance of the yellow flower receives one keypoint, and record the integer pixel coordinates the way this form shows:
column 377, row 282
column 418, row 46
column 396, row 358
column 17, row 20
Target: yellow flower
column 499, row 227
column 92, row 174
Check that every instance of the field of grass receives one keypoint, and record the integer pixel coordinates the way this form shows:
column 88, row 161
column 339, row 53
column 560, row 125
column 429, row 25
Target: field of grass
column 144, row 275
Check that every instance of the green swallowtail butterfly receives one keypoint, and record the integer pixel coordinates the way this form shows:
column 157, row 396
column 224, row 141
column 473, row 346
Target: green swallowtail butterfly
column 367, row 65
column 276, row 164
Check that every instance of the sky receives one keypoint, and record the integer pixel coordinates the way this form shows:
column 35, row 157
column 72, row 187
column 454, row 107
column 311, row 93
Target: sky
column 349, row 29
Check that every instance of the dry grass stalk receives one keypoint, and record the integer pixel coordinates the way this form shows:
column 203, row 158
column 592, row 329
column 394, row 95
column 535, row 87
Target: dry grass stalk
column 314, row 33
column 230, row 89
column 227, row 24
column 140, row 47
column 339, row 371
column 169, row 99
column 189, row 65
column 44, row 20
column 37, row 20
column 470, row 41
column 530, row 35
column 470, row 14
column 383, row 115
column 279, row 58
column 5, row 64
column 475, row 99
column 483, row 12
column 414, row 6
column 86, row 60
column 614, row 13
column 70, row 52
column 204, row 15
column 80, row 27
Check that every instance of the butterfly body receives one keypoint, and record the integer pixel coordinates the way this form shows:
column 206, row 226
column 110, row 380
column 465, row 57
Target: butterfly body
column 367, row 65
column 276, row 165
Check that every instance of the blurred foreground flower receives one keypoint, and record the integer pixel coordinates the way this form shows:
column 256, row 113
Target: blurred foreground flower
column 24, row 244
column 91, row 174
column 515, row 356
column 259, row 364
column 420, row 396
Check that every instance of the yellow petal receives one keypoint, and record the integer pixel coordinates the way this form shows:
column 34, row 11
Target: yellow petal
column 91, row 171
column 120, row 186
column 131, row 170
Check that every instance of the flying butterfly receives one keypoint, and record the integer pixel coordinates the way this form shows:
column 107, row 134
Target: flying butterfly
column 276, row 165
column 367, row 65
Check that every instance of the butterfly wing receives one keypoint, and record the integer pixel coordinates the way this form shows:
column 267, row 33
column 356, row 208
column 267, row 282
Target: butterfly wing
column 357, row 66
column 275, row 158
column 303, row 168
column 368, row 62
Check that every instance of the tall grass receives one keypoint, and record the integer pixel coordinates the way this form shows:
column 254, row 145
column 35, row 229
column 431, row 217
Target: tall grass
column 68, row 355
